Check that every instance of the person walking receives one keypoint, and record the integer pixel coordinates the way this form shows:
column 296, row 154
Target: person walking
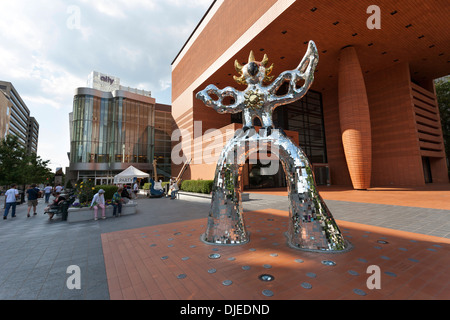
column 117, row 202
column 47, row 192
column 59, row 188
column 135, row 189
column 11, row 197
column 99, row 201
column 33, row 195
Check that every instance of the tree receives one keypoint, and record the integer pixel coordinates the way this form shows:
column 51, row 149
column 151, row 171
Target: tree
column 12, row 161
column 443, row 96
column 37, row 170
column 16, row 166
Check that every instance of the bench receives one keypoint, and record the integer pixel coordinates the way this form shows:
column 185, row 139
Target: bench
column 86, row 214
column 62, row 209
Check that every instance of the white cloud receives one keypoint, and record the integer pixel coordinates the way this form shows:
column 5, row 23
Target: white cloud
column 164, row 84
column 119, row 8
column 46, row 58
column 190, row 3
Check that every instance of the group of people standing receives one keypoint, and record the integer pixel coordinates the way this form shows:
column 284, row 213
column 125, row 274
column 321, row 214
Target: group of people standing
column 33, row 194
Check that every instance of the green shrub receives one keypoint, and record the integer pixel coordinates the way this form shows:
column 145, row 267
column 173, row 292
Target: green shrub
column 109, row 191
column 198, row 186
column 148, row 185
column 85, row 190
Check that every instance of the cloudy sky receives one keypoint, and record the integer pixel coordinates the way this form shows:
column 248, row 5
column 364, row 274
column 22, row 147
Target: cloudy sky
column 49, row 47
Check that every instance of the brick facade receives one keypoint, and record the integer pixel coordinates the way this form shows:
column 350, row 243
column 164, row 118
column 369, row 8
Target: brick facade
column 394, row 106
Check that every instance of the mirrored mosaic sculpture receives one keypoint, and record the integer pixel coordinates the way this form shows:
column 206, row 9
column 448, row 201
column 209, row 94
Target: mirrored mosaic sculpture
column 311, row 225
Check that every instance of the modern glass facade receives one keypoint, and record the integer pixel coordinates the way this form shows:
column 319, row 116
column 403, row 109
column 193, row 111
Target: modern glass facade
column 162, row 140
column 114, row 130
column 111, row 130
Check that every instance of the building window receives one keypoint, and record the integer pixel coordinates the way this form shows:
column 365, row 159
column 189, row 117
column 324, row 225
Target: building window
column 306, row 117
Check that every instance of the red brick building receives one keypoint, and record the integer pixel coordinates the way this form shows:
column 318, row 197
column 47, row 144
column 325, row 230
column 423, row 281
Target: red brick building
column 371, row 117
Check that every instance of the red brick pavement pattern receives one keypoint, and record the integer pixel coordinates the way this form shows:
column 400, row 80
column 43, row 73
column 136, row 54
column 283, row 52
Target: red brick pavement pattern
column 433, row 196
column 145, row 264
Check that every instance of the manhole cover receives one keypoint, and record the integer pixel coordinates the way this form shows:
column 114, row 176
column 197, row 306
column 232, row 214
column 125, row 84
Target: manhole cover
column 359, row 292
column 267, row 293
column 306, row 285
column 227, row 283
column 353, row 272
column 328, row 262
column 266, row 277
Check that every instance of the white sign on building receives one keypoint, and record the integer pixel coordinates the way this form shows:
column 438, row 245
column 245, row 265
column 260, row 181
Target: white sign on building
column 107, row 83
column 103, row 82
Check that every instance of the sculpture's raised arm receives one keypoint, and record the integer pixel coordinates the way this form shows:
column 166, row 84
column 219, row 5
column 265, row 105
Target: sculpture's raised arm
column 304, row 71
column 236, row 106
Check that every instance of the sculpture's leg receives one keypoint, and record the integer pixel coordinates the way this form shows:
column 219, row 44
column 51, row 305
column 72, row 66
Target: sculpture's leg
column 225, row 222
column 311, row 224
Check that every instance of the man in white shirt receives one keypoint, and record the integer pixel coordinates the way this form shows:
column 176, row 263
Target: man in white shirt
column 48, row 191
column 11, row 198
column 58, row 188
column 135, row 189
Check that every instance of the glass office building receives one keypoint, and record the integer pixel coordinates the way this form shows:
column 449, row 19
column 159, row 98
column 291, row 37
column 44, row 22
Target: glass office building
column 111, row 131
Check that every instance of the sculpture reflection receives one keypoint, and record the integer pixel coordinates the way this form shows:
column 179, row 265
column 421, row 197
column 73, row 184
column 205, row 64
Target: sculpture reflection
column 311, row 225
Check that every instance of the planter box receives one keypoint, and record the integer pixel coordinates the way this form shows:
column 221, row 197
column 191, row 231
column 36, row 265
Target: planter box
column 85, row 214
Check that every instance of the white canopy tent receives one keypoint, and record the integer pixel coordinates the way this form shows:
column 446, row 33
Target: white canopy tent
column 128, row 175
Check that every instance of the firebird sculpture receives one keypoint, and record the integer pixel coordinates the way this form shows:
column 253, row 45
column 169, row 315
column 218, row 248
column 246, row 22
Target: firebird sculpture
column 311, row 225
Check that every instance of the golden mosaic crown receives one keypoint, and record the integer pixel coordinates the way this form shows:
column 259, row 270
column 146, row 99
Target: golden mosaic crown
column 239, row 68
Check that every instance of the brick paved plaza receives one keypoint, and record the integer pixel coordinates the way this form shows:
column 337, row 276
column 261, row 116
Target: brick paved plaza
column 157, row 253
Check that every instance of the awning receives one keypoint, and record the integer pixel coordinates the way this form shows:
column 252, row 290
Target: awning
column 129, row 174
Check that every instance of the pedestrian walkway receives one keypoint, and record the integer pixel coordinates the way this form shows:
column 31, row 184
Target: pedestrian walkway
column 157, row 254
column 433, row 196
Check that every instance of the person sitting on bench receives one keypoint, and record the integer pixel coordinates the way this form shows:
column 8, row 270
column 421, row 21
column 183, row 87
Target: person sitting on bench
column 51, row 209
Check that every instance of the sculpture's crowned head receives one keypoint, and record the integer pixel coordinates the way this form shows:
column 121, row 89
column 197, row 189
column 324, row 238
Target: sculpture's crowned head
column 254, row 71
